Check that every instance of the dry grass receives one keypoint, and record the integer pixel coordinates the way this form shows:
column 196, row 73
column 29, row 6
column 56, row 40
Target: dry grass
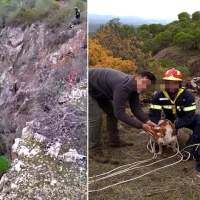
column 178, row 50
column 178, row 182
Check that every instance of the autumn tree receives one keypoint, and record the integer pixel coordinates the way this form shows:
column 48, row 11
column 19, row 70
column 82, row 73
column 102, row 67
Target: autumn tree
column 102, row 57
column 110, row 36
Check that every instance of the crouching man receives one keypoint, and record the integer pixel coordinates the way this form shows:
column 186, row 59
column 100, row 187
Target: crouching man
column 179, row 107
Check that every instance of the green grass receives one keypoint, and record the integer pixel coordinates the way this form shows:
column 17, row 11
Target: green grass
column 180, row 181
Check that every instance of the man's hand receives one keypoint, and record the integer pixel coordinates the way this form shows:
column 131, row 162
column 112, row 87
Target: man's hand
column 151, row 124
column 148, row 129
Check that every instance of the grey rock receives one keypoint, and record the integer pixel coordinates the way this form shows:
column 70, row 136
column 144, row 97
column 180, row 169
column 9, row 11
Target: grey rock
column 34, row 77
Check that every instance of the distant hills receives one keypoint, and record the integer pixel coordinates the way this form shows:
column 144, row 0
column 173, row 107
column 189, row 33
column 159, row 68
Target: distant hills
column 96, row 20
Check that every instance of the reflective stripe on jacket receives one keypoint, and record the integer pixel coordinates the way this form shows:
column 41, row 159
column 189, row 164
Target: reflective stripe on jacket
column 184, row 107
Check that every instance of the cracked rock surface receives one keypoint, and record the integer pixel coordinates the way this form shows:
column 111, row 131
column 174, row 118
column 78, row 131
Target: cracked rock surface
column 43, row 118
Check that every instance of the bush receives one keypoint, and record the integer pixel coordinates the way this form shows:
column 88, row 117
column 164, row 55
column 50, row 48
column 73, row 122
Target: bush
column 27, row 15
column 43, row 7
column 4, row 164
column 30, row 10
column 184, row 70
column 55, row 5
column 80, row 5
column 62, row 16
column 167, row 63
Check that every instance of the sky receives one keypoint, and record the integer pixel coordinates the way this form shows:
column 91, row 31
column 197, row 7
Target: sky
column 147, row 9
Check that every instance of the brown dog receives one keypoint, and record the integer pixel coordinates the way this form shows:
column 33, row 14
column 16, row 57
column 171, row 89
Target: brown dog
column 164, row 135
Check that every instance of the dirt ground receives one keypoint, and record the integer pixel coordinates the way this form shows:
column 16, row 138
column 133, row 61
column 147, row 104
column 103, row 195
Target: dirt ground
column 168, row 179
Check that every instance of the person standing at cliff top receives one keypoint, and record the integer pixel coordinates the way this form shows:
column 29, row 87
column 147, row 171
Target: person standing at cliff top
column 77, row 14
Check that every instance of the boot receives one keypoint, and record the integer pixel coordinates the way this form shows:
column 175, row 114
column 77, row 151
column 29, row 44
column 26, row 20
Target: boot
column 197, row 157
column 120, row 143
column 98, row 157
column 189, row 151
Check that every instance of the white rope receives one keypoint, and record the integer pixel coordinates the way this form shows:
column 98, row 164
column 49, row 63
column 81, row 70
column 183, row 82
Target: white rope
column 135, row 163
column 132, row 178
column 135, row 166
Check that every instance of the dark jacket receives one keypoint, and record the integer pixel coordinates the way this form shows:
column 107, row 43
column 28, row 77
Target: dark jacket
column 78, row 15
column 184, row 105
column 114, row 85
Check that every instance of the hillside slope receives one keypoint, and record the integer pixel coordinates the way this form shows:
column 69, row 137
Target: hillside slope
column 189, row 59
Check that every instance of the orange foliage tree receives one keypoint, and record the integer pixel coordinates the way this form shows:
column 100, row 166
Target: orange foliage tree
column 111, row 37
column 102, row 57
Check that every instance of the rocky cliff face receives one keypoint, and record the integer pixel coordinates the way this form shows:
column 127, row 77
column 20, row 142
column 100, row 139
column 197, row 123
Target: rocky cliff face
column 43, row 83
column 41, row 170
column 189, row 59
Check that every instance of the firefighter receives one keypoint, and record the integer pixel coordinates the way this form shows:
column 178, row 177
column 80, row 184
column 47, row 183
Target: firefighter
column 179, row 107
column 109, row 91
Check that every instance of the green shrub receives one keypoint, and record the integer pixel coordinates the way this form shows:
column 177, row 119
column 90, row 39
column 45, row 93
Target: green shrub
column 59, row 17
column 25, row 15
column 43, row 6
column 80, row 5
column 167, row 63
column 184, row 70
column 55, row 5
column 49, row 11
column 4, row 164
column 4, row 8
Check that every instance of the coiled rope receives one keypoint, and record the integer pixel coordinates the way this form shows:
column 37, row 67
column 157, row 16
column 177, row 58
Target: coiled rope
column 135, row 165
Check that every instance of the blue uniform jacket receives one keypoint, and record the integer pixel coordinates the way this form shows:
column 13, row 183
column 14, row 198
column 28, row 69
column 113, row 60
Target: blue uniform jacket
column 184, row 106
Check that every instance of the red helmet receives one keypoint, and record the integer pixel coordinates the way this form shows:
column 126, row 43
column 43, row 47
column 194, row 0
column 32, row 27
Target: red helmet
column 173, row 75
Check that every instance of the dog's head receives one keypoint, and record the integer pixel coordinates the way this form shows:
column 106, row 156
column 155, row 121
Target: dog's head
column 159, row 134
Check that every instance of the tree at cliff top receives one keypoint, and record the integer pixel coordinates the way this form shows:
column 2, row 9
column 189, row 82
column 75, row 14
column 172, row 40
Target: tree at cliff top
column 196, row 16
